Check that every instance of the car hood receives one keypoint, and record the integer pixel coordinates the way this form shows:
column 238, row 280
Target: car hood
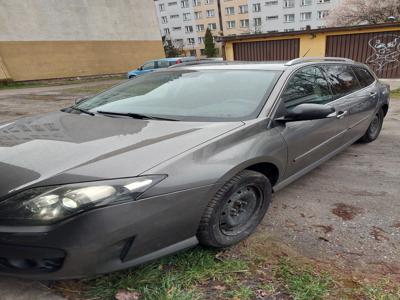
column 60, row 148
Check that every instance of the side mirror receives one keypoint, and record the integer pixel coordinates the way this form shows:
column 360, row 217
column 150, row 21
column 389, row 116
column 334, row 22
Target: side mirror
column 79, row 100
column 307, row 111
column 140, row 68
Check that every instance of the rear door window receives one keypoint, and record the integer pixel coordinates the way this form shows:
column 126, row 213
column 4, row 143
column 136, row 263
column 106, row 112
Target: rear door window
column 364, row 76
column 342, row 80
column 308, row 85
column 163, row 64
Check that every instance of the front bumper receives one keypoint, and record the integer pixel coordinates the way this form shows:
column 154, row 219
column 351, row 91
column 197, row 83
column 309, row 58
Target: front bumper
column 104, row 239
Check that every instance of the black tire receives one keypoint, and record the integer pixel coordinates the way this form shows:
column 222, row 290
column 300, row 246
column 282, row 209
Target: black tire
column 374, row 128
column 132, row 76
column 243, row 200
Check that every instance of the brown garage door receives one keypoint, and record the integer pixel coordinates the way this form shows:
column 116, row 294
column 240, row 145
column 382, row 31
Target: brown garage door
column 379, row 50
column 267, row 50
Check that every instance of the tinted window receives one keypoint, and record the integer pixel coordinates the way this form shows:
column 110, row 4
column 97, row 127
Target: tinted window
column 364, row 76
column 148, row 65
column 307, row 86
column 162, row 64
column 189, row 94
column 342, row 79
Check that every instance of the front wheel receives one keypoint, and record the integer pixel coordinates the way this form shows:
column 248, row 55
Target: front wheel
column 236, row 210
column 374, row 128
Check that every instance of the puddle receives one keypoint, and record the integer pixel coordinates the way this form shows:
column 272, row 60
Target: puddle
column 346, row 212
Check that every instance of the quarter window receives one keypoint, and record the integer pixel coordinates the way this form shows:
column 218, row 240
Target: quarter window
column 307, row 86
column 364, row 76
column 342, row 79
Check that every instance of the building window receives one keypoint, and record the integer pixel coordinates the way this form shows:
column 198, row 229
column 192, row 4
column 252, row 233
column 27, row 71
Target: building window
column 200, row 40
column 256, row 7
column 230, row 24
column 269, row 18
column 172, row 3
column 196, row 2
column 257, row 21
column 305, row 16
column 164, row 20
column 288, row 3
column 185, row 3
column 244, row 23
column 321, row 27
column 269, row 3
column 191, row 41
column 323, row 14
column 289, row 18
column 200, row 28
column 188, row 29
column 176, row 28
column 212, row 26
column 174, row 16
column 323, row 1
column 186, row 17
column 306, row 2
column 208, row 2
column 243, row 9
column 288, row 29
column 179, row 42
column 161, row 7
column 210, row 13
column 166, row 31
column 229, row 11
column 197, row 15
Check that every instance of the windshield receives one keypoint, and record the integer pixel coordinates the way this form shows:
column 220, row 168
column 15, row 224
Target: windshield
column 189, row 95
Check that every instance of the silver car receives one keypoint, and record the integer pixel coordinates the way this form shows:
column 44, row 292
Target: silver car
column 171, row 159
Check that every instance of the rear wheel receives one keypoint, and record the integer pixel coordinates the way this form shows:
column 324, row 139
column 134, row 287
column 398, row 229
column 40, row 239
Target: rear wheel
column 374, row 128
column 235, row 210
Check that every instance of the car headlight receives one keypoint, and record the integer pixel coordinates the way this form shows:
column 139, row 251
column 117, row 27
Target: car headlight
column 45, row 205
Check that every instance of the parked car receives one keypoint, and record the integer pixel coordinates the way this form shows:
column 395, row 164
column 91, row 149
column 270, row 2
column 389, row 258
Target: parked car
column 171, row 159
column 161, row 63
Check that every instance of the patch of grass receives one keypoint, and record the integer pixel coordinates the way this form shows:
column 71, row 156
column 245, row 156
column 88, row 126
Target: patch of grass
column 241, row 292
column 381, row 291
column 303, row 283
column 395, row 93
column 172, row 277
column 19, row 85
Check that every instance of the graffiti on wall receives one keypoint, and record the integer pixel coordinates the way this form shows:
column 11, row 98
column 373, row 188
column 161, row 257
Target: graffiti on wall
column 386, row 52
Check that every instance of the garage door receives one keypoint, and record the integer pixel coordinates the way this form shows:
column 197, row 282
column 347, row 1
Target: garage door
column 267, row 50
column 379, row 50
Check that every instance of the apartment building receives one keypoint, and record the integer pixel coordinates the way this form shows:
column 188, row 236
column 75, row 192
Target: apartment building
column 288, row 15
column 185, row 21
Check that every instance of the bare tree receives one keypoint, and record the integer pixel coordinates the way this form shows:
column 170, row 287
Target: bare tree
column 354, row 12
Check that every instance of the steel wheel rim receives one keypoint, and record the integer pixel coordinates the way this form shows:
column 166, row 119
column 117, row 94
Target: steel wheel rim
column 375, row 124
column 239, row 209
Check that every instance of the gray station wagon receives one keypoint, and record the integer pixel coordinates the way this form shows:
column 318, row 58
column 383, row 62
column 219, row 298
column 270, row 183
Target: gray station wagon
column 183, row 156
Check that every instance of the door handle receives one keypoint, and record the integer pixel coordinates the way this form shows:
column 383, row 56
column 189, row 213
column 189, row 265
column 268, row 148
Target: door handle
column 373, row 94
column 341, row 114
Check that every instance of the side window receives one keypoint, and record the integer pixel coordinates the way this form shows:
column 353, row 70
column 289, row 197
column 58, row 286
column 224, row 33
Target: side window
column 307, row 85
column 364, row 76
column 148, row 65
column 342, row 79
column 163, row 64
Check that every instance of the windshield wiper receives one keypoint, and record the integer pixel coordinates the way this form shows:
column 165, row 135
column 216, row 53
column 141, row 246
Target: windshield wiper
column 135, row 116
column 82, row 110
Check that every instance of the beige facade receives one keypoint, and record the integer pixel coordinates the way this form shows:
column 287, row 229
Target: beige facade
column 41, row 39
column 235, row 17
column 206, row 15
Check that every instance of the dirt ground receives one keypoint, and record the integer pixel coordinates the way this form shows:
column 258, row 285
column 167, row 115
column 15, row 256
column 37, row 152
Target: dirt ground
column 345, row 213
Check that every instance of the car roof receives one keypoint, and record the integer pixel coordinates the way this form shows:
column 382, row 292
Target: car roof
column 262, row 65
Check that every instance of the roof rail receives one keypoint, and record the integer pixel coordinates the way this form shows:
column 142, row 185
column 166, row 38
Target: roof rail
column 198, row 62
column 311, row 59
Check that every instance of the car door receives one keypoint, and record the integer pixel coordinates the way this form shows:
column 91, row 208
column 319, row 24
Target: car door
column 310, row 141
column 363, row 104
column 148, row 67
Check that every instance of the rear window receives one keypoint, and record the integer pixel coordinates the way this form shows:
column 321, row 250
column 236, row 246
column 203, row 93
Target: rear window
column 342, row 79
column 364, row 76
